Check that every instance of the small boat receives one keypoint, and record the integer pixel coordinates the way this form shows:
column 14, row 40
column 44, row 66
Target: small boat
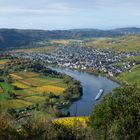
column 99, row 94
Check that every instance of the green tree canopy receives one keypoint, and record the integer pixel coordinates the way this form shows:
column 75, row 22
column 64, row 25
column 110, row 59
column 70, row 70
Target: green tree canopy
column 118, row 115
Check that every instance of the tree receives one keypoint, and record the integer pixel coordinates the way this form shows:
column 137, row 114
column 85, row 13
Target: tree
column 8, row 79
column 7, row 128
column 118, row 115
column 12, row 95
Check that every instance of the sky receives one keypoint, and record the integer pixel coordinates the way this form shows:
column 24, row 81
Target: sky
column 69, row 14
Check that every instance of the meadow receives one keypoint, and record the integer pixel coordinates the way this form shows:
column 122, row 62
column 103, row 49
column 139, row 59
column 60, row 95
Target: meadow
column 132, row 76
column 49, row 46
column 129, row 43
column 30, row 88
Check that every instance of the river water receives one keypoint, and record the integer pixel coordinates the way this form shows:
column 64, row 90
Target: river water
column 91, row 85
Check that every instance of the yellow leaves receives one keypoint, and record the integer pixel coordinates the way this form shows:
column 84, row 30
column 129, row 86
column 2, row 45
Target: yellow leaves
column 20, row 85
column 2, row 62
column 72, row 121
column 15, row 77
column 53, row 89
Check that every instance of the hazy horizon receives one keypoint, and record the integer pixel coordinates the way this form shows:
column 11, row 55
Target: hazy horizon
column 64, row 14
column 107, row 29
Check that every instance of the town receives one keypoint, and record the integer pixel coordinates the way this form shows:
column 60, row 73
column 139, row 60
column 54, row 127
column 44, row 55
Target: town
column 83, row 58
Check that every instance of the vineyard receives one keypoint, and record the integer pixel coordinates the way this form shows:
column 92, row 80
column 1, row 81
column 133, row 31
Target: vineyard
column 29, row 88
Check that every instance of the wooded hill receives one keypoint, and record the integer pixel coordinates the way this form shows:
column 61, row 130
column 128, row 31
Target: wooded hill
column 16, row 38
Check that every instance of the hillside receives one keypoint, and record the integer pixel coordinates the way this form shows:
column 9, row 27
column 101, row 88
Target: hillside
column 123, row 43
column 132, row 30
column 15, row 38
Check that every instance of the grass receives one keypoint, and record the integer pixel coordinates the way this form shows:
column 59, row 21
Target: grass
column 54, row 81
column 47, row 49
column 6, row 88
column 43, row 81
column 34, row 99
column 36, row 81
column 61, row 41
column 49, row 46
column 25, row 74
column 134, row 58
column 15, row 104
column 129, row 43
column 118, row 64
column 132, row 76
column 27, row 92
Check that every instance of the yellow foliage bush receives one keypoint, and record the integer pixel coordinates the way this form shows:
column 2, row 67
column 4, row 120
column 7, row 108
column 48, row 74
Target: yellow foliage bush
column 72, row 121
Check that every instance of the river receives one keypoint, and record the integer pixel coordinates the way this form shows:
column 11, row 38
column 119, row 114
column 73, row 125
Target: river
column 91, row 85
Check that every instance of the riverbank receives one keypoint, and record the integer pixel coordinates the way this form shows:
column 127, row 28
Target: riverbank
column 22, row 91
column 91, row 84
column 92, row 71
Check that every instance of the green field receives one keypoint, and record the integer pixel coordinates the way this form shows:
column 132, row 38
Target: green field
column 132, row 76
column 30, row 88
column 5, row 88
column 34, row 99
column 125, row 43
column 133, row 58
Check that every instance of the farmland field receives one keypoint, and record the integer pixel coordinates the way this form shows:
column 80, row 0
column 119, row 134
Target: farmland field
column 20, row 85
column 29, row 88
column 15, row 103
column 27, row 74
column 126, row 43
column 53, row 89
column 34, row 99
column 132, row 76
column 3, row 61
column 6, row 88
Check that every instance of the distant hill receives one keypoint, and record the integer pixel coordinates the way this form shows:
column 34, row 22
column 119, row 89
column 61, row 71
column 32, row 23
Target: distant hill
column 15, row 38
column 132, row 30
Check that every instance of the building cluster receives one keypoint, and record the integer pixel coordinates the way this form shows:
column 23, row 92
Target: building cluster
column 85, row 57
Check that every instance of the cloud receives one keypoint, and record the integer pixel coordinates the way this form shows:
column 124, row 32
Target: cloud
column 68, row 13
column 46, row 9
column 64, row 7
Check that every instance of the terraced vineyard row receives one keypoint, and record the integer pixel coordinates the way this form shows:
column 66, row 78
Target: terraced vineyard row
column 30, row 88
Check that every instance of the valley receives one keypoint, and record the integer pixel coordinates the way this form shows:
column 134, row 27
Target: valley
column 53, row 82
column 29, row 86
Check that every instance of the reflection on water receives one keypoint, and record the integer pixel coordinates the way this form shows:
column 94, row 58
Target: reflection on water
column 91, row 85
